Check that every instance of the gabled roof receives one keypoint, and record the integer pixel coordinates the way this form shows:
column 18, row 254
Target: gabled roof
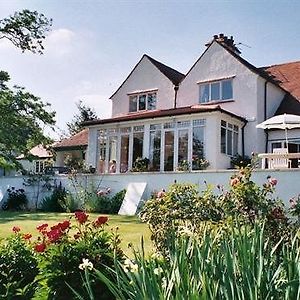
column 77, row 141
column 173, row 75
column 287, row 76
column 151, row 114
column 38, row 151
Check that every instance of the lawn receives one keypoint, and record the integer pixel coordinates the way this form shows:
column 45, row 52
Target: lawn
column 131, row 229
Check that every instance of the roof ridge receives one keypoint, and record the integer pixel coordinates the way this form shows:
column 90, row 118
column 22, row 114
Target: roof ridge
column 175, row 76
column 281, row 64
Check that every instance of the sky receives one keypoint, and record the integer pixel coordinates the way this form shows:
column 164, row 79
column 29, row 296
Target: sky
column 93, row 45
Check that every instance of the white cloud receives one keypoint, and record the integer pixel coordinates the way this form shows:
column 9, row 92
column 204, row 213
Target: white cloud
column 59, row 42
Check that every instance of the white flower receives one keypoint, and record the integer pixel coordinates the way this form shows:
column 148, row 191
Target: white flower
column 130, row 266
column 164, row 283
column 86, row 264
column 158, row 270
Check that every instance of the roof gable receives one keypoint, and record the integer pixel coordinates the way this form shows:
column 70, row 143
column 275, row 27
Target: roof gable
column 173, row 75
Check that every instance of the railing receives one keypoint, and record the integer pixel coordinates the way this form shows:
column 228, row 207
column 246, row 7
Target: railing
column 268, row 158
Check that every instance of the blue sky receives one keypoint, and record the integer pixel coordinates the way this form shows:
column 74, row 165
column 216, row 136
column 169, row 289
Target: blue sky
column 93, row 45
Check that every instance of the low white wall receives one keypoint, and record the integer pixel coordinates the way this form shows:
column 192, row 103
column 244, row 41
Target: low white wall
column 287, row 187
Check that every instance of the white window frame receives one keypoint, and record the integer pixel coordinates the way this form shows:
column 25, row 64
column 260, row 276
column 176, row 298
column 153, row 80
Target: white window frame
column 138, row 95
column 210, row 83
column 234, row 129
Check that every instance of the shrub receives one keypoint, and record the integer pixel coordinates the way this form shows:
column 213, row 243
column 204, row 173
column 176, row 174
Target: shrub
column 16, row 200
column 239, row 161
column 18, row 267
column 141, row 164
column 62, row 255
column 53, row 202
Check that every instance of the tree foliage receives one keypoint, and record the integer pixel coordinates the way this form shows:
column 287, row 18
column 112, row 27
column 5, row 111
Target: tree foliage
column 26, row 30
column 23, row 118
column 85, row 114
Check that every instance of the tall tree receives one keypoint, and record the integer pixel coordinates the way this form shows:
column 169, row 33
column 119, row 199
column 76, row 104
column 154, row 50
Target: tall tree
column 26, row 30
column 23, row 115
column 85, row 114
column 23, row 118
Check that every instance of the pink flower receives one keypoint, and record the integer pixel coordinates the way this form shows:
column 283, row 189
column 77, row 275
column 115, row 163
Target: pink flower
column 273, row 181
column 234, row 181
column 161, row 193
column 16, row 229
column 292, row 202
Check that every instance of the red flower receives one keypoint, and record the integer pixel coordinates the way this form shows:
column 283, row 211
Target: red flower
column 81, row 217
column 40, row 247
column 54, row 235
column 42, row 228
column 16, row 229
column 100, row 221
column 27, row 236
column 65, row 225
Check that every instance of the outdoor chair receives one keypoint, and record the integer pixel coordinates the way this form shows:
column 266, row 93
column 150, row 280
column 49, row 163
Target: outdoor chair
column 278, row 162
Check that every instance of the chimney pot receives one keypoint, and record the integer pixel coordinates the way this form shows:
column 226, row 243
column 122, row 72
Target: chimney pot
column 215, row 36
column 221, row 35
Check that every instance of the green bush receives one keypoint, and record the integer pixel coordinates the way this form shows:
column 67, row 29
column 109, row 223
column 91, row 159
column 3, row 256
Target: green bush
column 16, row 200
column 53, row 202
column 245, row 201
column 18, row 267
column 116, row 202
column 63, row 255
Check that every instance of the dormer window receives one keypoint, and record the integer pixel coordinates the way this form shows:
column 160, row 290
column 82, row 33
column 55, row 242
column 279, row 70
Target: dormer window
column 216, row 91
column 142, row 101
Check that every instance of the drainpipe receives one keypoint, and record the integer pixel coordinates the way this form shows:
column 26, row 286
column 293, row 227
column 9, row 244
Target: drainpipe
column 243, row 139
column 265, row 115
column 176, row 87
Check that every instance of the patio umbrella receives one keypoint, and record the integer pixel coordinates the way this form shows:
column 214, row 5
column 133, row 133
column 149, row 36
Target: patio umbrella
column 284, row 122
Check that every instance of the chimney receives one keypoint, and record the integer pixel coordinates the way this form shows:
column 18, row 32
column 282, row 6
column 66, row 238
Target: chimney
column 225, row 41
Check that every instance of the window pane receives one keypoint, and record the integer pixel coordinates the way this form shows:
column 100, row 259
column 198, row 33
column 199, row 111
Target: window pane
column 215, row 91
column 138, row 139
column 132, row 103
column 151, row 101
column 142, row 102
column 235, row 143
column 223, row 140
column 154, row 151
column 169, row 151
column 124, row 153
column 229, row 142
column 204, row 93
column 227, row 89
column 198, row 153
column 112, row 153
column 183, row 137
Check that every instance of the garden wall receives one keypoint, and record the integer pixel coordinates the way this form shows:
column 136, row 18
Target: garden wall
column 288, row 182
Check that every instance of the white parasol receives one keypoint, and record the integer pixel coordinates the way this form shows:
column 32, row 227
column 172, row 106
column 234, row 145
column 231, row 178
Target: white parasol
column 284, row 122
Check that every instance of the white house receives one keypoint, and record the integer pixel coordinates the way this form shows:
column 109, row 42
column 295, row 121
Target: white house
column 209, row 113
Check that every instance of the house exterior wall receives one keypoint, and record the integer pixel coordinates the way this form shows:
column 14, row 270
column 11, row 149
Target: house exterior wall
column 211, row 139
column 248, row 92
column 144, row 77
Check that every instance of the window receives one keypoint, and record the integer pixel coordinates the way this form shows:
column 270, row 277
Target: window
column 216, row 91
column 229, row 138
column 198, row 143
column 39, row 166
column 145, row 101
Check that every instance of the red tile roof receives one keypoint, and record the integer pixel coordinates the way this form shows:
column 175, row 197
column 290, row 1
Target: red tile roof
column 287, row 77
column 38, row 151
column 150, row 114
column 79, row 140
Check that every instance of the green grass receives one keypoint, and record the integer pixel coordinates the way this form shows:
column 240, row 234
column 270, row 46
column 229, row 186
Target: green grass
column 131, row 229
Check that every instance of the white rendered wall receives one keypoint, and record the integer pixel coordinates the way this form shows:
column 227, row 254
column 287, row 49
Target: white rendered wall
column 287, row 187
column 145, row 77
